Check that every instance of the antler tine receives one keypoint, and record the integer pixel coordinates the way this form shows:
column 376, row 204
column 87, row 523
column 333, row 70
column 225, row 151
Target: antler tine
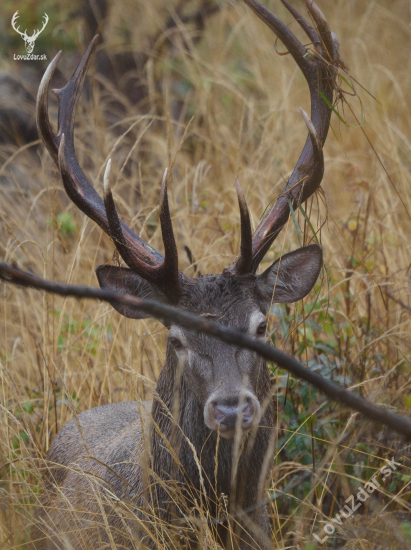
column 289, row 40
column 42, row 114
column 165, row 275
column 304, row 24
column 169, row 267
column 320, row 73
column 136, row 253
column 245, row 260
column 323, row 27
column 318, row 159
column 114, row 221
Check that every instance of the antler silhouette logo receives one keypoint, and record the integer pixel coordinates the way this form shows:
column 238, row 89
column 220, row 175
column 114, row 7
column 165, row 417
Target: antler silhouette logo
column 29, row 41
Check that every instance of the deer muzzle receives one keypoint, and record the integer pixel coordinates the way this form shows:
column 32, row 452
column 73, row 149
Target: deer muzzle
column 228, row 414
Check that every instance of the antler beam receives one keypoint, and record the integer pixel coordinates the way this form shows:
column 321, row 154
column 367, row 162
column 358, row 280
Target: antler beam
column 319, row 67
column 140, row 256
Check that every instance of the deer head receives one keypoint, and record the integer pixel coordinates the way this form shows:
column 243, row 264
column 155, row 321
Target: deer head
column 223, row 380
column 29, row 41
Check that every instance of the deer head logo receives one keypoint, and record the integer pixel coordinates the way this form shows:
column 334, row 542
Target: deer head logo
column 29, row 41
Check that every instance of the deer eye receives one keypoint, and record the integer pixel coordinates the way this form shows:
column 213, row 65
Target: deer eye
column 262, row 327
column 176, row 343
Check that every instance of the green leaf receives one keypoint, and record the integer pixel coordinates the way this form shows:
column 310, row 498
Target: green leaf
column 309, row 224
column 294, row 221
column 266, row 208
column 27, row 407
column 338, row 114
column 346, row 81
column 65, row 223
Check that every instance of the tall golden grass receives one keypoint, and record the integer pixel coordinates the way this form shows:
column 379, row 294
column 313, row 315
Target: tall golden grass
column 236, row 103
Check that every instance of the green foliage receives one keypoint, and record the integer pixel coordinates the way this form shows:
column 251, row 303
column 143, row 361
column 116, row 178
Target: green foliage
column 321, row 336
column 406, row 529
column 65, row 224
column 87, row 335
column 22, row 437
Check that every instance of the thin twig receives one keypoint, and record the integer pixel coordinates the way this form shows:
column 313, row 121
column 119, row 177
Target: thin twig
column 397, row 301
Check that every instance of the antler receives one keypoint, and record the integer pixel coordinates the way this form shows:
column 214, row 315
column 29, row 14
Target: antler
column 13, row 24
column 319, row 68
column 137, row 254
column 36, row 33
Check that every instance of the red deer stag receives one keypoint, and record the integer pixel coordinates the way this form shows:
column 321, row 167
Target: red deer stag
column 97, row 489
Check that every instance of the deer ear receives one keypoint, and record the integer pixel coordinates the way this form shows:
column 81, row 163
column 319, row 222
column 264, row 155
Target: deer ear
column 126, row 281
column 292, row 276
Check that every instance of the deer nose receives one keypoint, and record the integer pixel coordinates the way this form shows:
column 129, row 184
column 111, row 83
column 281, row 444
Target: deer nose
column 226, row 412
column 226, row 415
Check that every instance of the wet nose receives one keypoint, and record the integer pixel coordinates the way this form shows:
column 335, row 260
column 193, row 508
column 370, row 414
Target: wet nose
column 227, row 411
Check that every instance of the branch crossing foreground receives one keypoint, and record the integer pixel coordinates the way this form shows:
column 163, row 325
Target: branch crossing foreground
column 170, row 315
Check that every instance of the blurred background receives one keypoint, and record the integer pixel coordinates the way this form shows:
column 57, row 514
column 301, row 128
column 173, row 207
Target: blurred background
column 200, row 84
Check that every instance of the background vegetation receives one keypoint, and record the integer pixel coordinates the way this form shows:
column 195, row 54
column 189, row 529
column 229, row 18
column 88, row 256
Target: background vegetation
column 217, row 80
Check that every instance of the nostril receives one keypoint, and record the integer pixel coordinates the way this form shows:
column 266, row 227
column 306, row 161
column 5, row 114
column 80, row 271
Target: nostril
column 247, row 411
column 226, row 414
column 219, row 413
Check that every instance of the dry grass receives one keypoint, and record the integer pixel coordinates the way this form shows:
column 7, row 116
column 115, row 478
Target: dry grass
column 238, row 103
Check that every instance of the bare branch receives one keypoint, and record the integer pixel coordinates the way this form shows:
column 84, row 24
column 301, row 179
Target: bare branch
column 171, row 315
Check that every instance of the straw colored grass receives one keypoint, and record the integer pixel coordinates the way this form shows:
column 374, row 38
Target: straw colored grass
column 236, row 102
